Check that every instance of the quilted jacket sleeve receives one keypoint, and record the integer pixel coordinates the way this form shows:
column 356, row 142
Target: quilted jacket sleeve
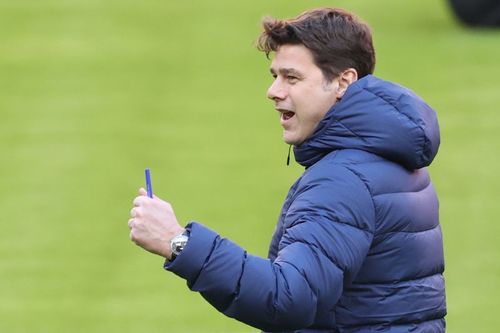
column 328, row 233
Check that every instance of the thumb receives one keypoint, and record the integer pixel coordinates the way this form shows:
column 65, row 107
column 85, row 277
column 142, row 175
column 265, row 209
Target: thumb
column 142, row 191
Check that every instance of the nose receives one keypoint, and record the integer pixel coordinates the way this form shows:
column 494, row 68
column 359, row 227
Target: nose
column 276, row 91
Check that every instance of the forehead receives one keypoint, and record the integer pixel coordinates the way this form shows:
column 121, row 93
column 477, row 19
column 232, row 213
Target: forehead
column 296, row 57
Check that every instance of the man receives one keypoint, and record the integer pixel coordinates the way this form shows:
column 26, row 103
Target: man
column 358, row 245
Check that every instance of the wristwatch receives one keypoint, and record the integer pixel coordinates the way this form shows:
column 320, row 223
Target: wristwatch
column 178, row 243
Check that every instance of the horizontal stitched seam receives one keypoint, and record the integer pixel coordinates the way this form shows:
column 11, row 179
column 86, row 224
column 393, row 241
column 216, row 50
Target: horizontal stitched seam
column 390, row 283
column 408, row 232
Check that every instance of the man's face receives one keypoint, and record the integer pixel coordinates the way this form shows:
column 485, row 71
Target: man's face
column 301, row 94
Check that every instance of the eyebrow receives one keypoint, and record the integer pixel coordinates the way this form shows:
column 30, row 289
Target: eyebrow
column 286, row 71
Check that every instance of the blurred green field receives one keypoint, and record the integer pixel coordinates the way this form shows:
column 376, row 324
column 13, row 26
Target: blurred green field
column 92, row 92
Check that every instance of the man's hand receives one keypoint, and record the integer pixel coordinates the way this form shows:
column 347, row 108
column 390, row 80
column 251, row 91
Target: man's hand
column 153, row 224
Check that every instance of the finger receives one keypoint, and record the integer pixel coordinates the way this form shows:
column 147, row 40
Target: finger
column 133, row 212
column 138, row 201
column 143, row 192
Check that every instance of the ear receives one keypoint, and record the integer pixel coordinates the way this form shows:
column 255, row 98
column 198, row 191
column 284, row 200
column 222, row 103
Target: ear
column 346, row 78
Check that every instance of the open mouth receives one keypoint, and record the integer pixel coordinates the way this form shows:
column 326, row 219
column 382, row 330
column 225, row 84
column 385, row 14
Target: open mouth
column 287, row 115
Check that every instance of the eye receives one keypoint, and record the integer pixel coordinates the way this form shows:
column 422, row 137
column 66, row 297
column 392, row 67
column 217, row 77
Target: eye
column 292, row 79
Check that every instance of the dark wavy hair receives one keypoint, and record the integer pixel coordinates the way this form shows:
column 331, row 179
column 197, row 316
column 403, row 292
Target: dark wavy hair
column 336, row 38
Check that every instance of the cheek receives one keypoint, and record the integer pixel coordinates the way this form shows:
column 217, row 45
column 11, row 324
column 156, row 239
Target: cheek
column 302, row 97
column 312, row 102
column 323, row 102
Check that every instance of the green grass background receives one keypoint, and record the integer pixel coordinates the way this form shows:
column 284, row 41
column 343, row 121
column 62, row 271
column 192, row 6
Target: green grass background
column 92, row 92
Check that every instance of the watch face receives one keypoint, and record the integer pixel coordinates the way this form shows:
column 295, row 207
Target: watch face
column 175, row 248
column 178, row 244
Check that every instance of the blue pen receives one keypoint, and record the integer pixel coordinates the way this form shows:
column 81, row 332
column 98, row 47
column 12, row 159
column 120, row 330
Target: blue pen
column 149, row 187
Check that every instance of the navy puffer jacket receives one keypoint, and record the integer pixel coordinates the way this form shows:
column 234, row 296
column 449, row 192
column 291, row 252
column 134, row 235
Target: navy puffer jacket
column 358, row 246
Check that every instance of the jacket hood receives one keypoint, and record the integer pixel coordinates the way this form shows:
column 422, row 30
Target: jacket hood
column 379, row 117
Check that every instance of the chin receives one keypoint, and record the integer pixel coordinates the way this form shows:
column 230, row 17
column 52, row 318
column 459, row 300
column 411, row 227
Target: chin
column 291, row 140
